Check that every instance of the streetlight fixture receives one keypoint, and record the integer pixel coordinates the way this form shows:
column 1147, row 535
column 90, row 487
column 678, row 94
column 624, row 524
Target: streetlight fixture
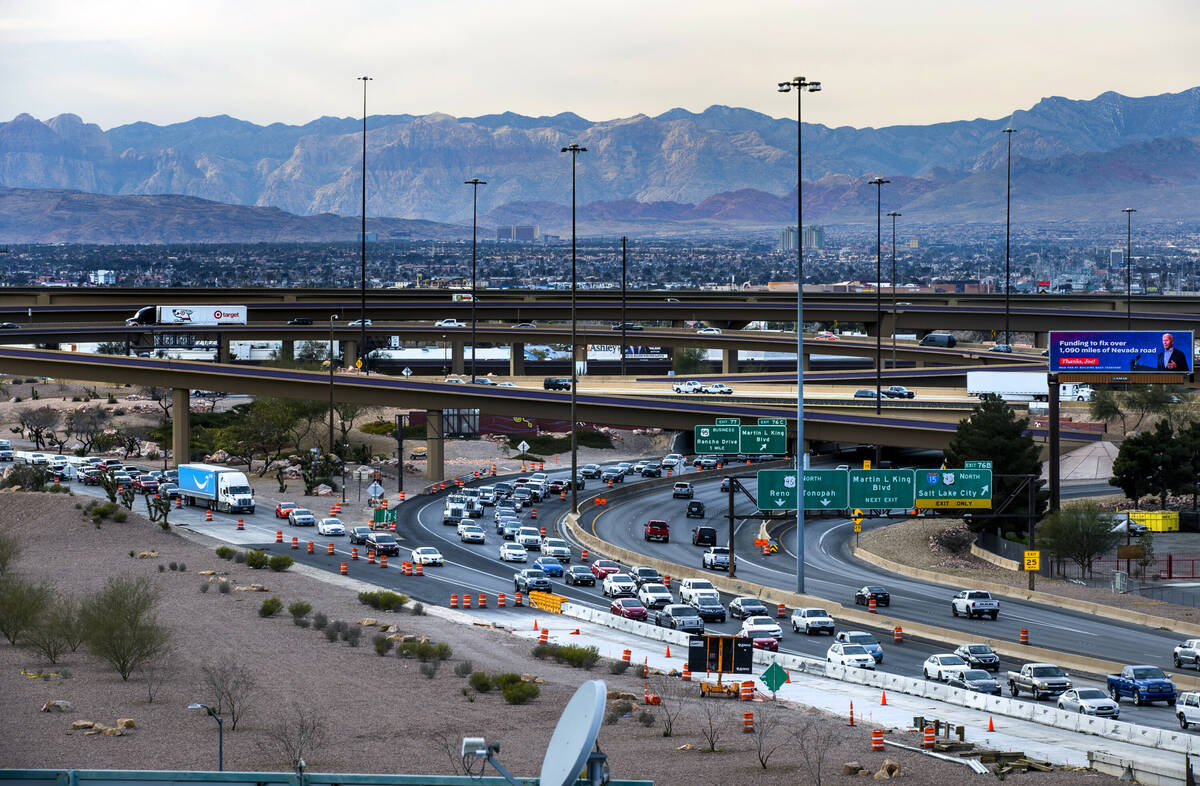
column 1129, row 211
column 220, row 732
column 878, row 182
column 332, row 317
column 574, row 150
column 362, row 344
column 1007, row 222
column 895, row 313
column 801, row 85
column 623, row 296
column 475, row 183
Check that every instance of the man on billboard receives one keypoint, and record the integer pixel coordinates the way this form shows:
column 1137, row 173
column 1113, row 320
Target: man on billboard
column 1171, row 358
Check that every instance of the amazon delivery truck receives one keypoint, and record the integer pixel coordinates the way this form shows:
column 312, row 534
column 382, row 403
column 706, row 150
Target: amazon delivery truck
column 216, row 488
column 188, row 315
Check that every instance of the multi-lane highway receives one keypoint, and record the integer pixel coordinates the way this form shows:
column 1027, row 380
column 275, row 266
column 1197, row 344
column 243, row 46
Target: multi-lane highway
column 831, row 573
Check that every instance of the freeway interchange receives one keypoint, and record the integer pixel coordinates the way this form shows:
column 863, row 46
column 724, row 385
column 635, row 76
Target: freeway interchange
column 831, row 573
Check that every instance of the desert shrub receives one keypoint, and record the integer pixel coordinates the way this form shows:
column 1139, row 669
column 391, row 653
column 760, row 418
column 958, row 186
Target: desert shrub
column 120, row 624
column 645, row 718
column 162, row 568
column 226, row 552
column 618, row 710
column 21, row 605
column 301, row 622
column 378, row 428
column 406, row 649
column 519, row 692
column 224, row 587
column 320, row 621
column 442, row 651
column 481, row 681
column 173, row 565
column 270, row 607
column 543, row 651
column 280, row 562
column 341, row 626
column 430, row 669
column 203, row 586
column 240, row 557
column 299, row 609
column 463, row 668
column 383, row 645
column 182, row 567
column 418, row 610
column 507, row 678
column 384, row 600
column 120, row 516
column 576, row 656
column 353, row 636
column 331, row 633
column 618, row 667
column 257, row 559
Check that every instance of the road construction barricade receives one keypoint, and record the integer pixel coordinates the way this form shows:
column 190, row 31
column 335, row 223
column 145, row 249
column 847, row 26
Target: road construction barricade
column 371, row 557
column 354, row 553
column 544, row 637
column 295, row 543
column 345, row 569
column 627, row 656
column 872, row 605
column 501, row 600
column 547, row 601
column 518, row 600
column 930, row 738
column 310, row 547
column 466, row 600
column 1023, row 637
column 898, row 635
column 482, row 601
column 748, row 722
column 454, row 600
column 781, row 612
column 383, row 560
column 418, row 569
column 406, row 568
column 279, row 536
column 328, row 548
column 876, row 740
column 747, row 691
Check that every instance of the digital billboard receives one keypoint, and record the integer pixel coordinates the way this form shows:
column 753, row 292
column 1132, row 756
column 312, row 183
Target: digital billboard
column 1121, row 351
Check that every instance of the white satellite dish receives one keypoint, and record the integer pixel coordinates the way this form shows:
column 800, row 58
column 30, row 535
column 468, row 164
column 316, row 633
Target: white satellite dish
column 574, row 735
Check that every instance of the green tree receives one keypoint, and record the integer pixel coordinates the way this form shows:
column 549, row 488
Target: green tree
column 121, row 628
column 111, row 348
column 263, row 429
column 21, row 604
column 305, row 416
column 86, row 425
column 691, row 360
column 347, row 413
column 993, row 432
column 1105, row 407
column 39, row 423
column 1079, row 532
column 1145, row 400
column 1189, row 440
column 1153, row 462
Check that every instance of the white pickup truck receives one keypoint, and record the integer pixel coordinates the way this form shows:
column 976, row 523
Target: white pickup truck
column 691, row 386
column 975, row 603
column 689, row 587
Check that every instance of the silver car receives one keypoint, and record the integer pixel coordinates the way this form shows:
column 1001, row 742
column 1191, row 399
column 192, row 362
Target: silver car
column 1089, row 701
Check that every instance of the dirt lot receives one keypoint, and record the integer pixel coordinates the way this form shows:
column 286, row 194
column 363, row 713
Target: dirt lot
column 908, row 542
column 380, row 714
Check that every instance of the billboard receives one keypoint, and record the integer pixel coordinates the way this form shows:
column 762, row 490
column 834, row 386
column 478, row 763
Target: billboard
column 1121, row 351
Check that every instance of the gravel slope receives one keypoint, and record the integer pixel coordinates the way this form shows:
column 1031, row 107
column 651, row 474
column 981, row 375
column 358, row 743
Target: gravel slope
column 381, row 714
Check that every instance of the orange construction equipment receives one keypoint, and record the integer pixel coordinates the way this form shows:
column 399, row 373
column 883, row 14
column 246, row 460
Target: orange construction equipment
column 208, row 515
column 544, row 637
column 930, row 738
column 482, row 601
column 626, row 656
column 501, row 600
column 991, row 724
column 1024, row 636
column 383, row 560
column 466, row 600
column 328, row 548
column 883, row 699
column 872, row 606
column 851, row 713
column 310, row 547
column 345, row 569
column 241, row 523
column 876, row 740
column 898, row 635
column 279, row 536
column 781, row 612
column 747, row 691
column 748, row 722
column 519, row 600
column 354, row 553
column 686, row 674
column 295, row 543
column 454, row 601
column 418, row 569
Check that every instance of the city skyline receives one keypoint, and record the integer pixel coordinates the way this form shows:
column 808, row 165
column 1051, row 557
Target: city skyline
column 118, row 62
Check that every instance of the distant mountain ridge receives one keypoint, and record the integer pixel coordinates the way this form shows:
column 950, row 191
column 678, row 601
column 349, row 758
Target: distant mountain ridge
column 725, row 165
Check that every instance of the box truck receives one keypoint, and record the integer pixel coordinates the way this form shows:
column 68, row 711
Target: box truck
column 1023, row 386
column 216, row 488
column 188, row 315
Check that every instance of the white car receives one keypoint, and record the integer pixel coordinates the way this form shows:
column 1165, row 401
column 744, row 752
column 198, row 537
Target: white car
column 853, row 655
column 813, row 620
column 330, row 527
column 487, row 495
column 512, row 552
column 427, row 555
column 448, row 323
column 939, row 667
column 708, row 331
column 360, row 323
column 455, row 381
column 672, row 460
column 655, row 596
column 759, row 627
column 557, row 548
column 1089, row 701
column 619, row 585
column 301, row 517
column 718, row 387
column 471, row 533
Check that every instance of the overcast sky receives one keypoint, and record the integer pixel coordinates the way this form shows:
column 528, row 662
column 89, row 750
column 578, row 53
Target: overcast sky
column 882, row 63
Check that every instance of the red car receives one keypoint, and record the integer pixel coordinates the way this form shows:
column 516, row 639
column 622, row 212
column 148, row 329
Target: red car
column 629, row 608
column 145, row 484
column 603, row 567
column 765, row 643
column 283, row 509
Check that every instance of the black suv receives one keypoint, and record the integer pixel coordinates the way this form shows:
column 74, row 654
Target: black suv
column 556, row 383
column 382, row 543
column 695, row 510
column 704, row 536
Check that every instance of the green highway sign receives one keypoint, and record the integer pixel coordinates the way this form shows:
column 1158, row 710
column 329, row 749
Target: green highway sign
column 977, row 465
column 882, row 488
column 772, row 421
column 729, row 421
column 824, row 489
column 774, row 677
column 384, row 516
column 954, row 488
column 763, row 439
column 718, row 439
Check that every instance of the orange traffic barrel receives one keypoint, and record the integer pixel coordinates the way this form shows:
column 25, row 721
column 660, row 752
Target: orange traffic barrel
column 354, row 553
column 371, row 557
column 781, row 612
column 310, row 547
column 279, row 536
column 930, row 737
column 876, row 740
column 454, row 601
column 482, row 601
column 1024, row 636
column 686, row 674
column 328, row 548
column 872, row 606
column 501, row 600
column 584, row 556
column 383, row 560
column 667, row 581
column 344, row 569
column 748, row 722
column 241, row 523
column 466, row 600
column 418, row 569
column 898, row 635
column 295, row 543
column 406, row 568
column 627, row 655
column 747, row 691
column 519, row 600
column 208, row 515
column 533, row 513
column 544, row 638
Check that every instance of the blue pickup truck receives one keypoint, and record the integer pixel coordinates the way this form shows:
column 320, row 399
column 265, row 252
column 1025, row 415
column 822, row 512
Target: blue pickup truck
column 1143, row 684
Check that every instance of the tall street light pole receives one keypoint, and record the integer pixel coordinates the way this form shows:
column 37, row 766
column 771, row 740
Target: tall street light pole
column 895, row 314
column 362, row 343
column 800, row 84
column 475, row 183
column 623, row 291
column 574, row 150
column 331, row 318
column 1008, row 132
column 1129, row 211
column 220, row 732
column 878, row 183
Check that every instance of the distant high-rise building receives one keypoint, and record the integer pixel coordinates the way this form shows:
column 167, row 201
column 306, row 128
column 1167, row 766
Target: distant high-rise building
column 913, row 243
column 1116, row 258
column 814, row 237
column 102, row 278
column 517, row 234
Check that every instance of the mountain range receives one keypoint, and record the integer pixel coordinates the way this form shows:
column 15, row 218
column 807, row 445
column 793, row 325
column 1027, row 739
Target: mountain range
column 678, row 172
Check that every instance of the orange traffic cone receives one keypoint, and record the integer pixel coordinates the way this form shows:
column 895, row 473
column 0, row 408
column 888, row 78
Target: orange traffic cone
column 668, row 650
column 883, row 701
column 535, row 625
column 574, row 632
column 991, row 724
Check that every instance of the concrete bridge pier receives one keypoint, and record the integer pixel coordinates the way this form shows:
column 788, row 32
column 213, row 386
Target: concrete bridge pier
column 180, row 425
column 729, row 361
column 516, row 360
column 349, row 353
column 435, row 458
column 1041, row 340
column 457, row 352
column 222, row 348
